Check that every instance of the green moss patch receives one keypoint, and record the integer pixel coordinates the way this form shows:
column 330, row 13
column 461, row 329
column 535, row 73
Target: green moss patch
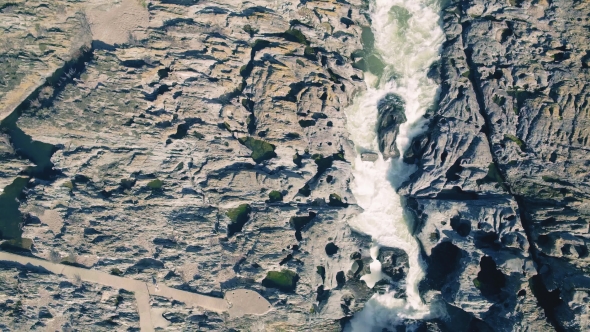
column 516, row 140
column 275, row 196
column 476, row 283
column 284, row 280
column 156, row 184
column 116, row 272
column 249, row 30
column 239, row 217
column 261, row 150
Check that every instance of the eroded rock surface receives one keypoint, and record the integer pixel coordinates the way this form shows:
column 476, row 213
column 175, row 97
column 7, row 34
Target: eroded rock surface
column 501, row 194
column 198, row 145
column 36, row 300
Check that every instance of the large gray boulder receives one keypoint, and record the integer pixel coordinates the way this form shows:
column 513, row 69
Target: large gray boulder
column 389, row 117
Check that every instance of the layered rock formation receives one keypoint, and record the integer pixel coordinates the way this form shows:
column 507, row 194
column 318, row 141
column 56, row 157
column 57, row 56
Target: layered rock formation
column 199, row 145
column 202, row 145
column 501, row 194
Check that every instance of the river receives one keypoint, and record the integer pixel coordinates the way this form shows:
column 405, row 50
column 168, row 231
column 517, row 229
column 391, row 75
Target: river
column 407, row 40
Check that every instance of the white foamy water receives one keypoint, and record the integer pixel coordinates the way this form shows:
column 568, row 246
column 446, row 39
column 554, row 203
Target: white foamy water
column 408, row 39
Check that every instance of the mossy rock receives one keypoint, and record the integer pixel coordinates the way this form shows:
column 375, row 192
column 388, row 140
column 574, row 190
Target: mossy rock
column 245, row 70
column 284, row 280
column 259, row 44
column 69, row 185
column 310, row 53
column 476, row 283
column 239, row 217
column 275, row 196
column 539, row 191
column 261, row 150
column 156, row 184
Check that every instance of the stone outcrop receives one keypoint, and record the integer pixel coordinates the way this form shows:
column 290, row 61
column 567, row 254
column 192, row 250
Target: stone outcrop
column 390, row 116
column 202, row 146
column 198, row 145
column 501, row 194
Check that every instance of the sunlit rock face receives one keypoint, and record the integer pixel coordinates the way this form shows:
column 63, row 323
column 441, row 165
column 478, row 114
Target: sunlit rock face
column 218, row 145
column 502, row 169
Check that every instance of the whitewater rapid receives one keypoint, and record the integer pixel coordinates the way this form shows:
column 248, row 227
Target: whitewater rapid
column 407, row 39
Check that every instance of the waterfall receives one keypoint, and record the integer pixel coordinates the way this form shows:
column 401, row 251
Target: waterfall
column 407, row 40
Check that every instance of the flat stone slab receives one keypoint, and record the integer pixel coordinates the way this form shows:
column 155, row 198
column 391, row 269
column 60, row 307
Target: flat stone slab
column 243, row 302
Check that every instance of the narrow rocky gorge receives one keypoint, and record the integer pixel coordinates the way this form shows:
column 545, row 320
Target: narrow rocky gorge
column 205, row 146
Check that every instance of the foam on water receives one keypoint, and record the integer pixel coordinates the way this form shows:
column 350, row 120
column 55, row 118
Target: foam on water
column 408, row 39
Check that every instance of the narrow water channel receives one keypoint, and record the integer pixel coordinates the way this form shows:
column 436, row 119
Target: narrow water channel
column 407, row 39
